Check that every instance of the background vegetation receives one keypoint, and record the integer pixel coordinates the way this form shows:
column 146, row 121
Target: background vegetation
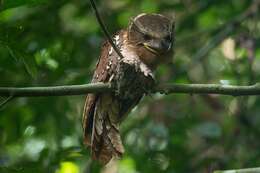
column 46, row 43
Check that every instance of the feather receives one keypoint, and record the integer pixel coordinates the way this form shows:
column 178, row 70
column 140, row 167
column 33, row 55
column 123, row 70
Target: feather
column 101, row 111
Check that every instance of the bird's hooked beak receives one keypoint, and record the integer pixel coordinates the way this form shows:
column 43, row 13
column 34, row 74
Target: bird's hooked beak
column 147, row 46
column 158, row 46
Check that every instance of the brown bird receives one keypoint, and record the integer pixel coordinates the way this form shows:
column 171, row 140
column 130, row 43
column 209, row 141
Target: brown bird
column 145, row 44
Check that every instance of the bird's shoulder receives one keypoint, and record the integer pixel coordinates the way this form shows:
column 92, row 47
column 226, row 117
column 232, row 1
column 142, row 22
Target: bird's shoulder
column 108, row 57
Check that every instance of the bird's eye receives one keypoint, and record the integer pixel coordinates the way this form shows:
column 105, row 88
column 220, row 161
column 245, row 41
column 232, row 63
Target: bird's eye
column 147, row 37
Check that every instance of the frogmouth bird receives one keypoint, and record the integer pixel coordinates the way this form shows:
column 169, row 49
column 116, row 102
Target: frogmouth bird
column 146, row 43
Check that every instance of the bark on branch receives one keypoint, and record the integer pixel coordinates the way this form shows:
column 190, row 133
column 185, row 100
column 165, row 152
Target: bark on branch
column 55, row 90
column 210, row 89
column 248, row 170
column 101, row 87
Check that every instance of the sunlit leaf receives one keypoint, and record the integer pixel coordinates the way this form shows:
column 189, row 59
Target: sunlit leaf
column 68, row 167
column 127, row 165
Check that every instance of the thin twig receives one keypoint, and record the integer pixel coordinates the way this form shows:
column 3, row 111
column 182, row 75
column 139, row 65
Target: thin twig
column 102, row 87
column 227, row 30
column 103, row 27
column 6, row 101
column 214, row 42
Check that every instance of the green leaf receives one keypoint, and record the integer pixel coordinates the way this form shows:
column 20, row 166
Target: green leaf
column 6, row 4
column 27, row 60
column 30, row 65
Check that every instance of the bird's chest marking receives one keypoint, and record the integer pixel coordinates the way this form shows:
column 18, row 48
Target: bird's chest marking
column 132, row 77
column 131, row 58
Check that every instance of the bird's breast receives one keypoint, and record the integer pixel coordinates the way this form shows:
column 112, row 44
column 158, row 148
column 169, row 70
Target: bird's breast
column 132, row 78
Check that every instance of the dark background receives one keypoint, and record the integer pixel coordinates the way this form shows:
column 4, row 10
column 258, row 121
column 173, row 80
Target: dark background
column 46, row 43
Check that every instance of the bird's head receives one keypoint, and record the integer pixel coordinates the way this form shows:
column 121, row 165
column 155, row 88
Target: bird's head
column 152, row 36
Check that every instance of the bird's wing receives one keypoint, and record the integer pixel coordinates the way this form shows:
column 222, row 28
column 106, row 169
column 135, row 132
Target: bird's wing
column 101, row 111
column 100, row 75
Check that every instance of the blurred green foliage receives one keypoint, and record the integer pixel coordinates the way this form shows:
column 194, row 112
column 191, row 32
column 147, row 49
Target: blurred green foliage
column 45, row 43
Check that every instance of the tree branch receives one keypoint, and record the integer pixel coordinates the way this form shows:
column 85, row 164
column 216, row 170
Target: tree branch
column 210, row 89
column 248, row 170
column 55, row 90
column 101, row 87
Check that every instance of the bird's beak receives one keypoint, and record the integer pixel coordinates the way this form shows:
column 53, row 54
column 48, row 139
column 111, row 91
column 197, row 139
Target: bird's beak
column 147, row 46
column 158, row 47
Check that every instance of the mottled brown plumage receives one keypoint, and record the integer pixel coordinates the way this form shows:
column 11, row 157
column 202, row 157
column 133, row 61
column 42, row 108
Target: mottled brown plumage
column 144, row 44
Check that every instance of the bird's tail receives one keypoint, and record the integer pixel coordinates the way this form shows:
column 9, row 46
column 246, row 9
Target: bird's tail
column 101, row 128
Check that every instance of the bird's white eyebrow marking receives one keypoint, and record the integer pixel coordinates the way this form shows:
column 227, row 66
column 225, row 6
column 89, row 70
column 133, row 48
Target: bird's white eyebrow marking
column 140, row 15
